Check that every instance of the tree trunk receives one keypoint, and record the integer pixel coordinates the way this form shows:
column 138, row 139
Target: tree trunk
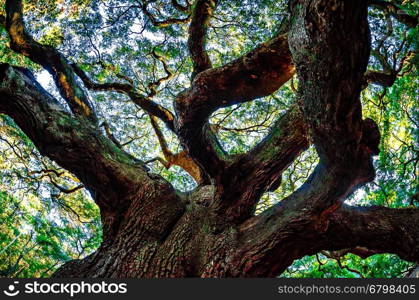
column 152, row 230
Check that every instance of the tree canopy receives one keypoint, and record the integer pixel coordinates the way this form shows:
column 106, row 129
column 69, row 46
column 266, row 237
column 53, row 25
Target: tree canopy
column 229, row 102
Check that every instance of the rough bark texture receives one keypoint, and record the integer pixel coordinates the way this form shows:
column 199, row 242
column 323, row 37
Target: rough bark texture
column 151, row 230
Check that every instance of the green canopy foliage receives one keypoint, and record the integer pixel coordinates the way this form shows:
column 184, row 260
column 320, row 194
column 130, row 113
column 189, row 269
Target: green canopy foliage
column 46, row 216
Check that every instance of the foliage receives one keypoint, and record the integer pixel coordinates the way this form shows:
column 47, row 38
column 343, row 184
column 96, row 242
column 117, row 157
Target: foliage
column 44, row 222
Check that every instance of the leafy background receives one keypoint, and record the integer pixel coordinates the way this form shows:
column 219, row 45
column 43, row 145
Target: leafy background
column 47, row 217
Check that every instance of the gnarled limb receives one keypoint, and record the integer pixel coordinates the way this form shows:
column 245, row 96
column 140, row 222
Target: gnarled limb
column 296, row 223
column 48, row 57
column 73, row 144
column 377, row 229
column 181, row 159
column 198, row 33
column 256, row 74
column 262, row 167
column 115, row 180
column 329, row 92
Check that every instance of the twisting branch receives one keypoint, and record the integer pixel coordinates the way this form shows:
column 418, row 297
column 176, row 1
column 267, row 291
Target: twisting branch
column 388, row 76
column 344, row 142
column 198, row 34
column 256, row 74
column 66, row 190
column 155, row 84
column 181, row 159
column 46, row 171
column 396, row 12
column 380, row 78
column 48, row 57
column 161, row 23
column 73, row 144
column 145, row 103
column 110, row 135
column 262, row 167
column 181, row 7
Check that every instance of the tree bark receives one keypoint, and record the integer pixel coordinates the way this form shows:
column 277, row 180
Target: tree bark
column 152, row 230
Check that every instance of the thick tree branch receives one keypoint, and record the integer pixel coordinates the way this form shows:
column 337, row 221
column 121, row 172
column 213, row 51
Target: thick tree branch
column 48, row 57
column 256, row 74
column 73, row 144
column 262, row 167
column 198, row 33
column 297, row 222
column 114, row 179
column 378, row 229
column 380, row 78
column 329, row 89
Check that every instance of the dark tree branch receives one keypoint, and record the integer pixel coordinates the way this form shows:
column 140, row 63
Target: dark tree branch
column 74, row 145
column 162, row 23
column 262, row 167
column 380, row 78
column 114, row 179
column 376, row 229
column 257, row 74
column 48, row 57
column 198, row 33
column 181, row 159
column 329, row 93
column 145, row 103
column 329, row 90
column 388, row 76
column 180, row 7
column 398, row 13
column 297, row 222
column 66, row 190
column 110, row 135
column 155, row 84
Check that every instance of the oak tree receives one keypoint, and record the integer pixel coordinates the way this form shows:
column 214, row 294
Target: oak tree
column 170, row 67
